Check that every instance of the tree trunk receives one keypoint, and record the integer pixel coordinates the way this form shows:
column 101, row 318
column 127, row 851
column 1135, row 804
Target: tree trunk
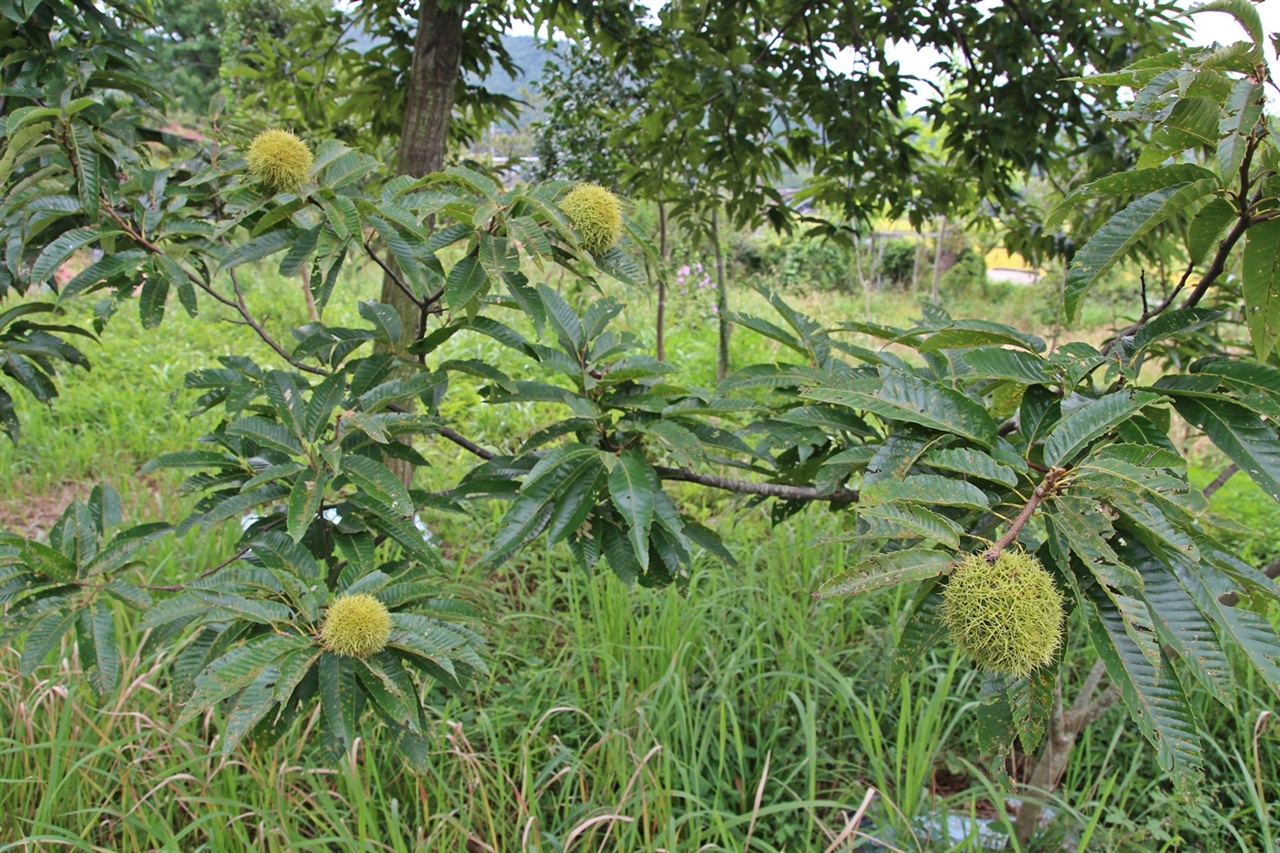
column 1063, row 728
column 915, row 267
column 664, row 252
column 433, row 80
column 866, row 285
column 312, row 313
column 937, row 261
column 722, row 299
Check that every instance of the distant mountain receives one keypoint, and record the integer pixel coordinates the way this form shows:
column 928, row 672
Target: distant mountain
column 529, row 56
column 526, row 52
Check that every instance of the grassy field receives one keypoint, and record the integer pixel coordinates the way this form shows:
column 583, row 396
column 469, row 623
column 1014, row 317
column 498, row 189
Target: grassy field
column 739, row 714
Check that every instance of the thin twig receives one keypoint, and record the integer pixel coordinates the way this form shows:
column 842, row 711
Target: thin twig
column 237, row 304
column 262, row 333
column 1245, row 217
column 391, row 274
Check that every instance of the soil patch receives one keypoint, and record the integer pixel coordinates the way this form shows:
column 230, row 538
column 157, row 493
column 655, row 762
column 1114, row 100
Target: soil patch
column 31, row 516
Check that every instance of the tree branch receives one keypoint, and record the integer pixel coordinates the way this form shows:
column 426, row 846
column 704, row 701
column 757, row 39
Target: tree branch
column 237, row 304
column 1097, row 708
column 392, row 276
column 1042, row 491
column 747, row 487
column 1245, row 217
column 243, row 309
column 1091, row 682
column 467, row 444
column 684, row 475
column 1220, row 480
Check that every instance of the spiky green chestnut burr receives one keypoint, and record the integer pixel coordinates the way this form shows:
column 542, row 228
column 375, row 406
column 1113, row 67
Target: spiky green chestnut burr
column 596, row 214
column 356, row 626
column 1006, row 615
column 280, row 160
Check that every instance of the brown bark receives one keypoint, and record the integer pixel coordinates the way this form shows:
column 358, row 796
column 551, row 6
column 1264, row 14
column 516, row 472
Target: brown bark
column 722, row 300
column 664, row 252
column 937, row 261
column 433, row 81
column 1059, row 740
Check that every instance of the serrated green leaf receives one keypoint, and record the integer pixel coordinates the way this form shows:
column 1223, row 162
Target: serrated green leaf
column 1031, row 701
column 304, row 502
column 632, row 484
column 902, row 396
column 680, row 442
column 972, row 463
column 1077, row 430
column 44, row 635
column 964, row 334
column 1248, row 631
column 253, row 704
column 58, row 251
column 880, row 570
column 1181, row 624
column 384, row 318
column 1086, row 530
column 895, row 521
column 1132, row 182
column 378, row 481
column 237, row 669
column 1242, row 10
column 927, row 489
column 922, row 631
column 1207, row 227
column 1173, row 324
column 532, row 511
column 192, row 459
column 240, row 607
column 384, row 679
column 267, row 433
column 563, row 319
column 278, row 551
column 1244, row 437
column 1013, row 365
column 575, row 499
column 1258, row 384
column 324, row 397
column 97, row 621
column 338, row 697
column 1261, row 287
column 1152, row 694
column 708, row 540
column 465, row 282
column 1113, row 241
column 49, row 562
column 260, row 247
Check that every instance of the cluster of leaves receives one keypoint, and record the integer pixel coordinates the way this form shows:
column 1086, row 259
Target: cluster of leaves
column 70, row 116
column 931, row 442
column 67, row 584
